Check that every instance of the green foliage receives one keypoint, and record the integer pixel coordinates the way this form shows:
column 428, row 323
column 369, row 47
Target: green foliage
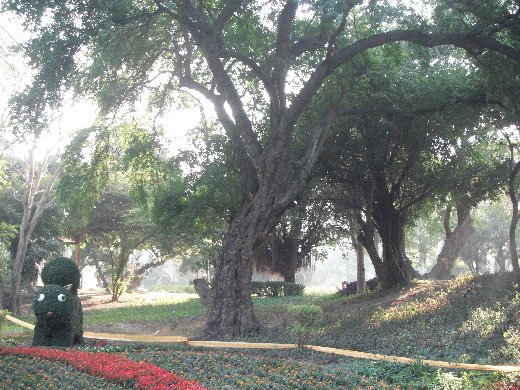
column 511, row 349
column 62, row 271
column 306, row 320
column 5, row 263
column 3, row 313
column 427, row 315
column 26, row 372
column 197, row 196
column 276, row 289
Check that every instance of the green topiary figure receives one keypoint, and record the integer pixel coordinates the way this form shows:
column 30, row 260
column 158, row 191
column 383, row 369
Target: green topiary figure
column 62, row 271
column 59, row 316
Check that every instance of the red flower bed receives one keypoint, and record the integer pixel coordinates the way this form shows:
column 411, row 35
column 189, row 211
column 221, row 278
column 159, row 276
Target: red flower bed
column 109, row 366
column 507, row 386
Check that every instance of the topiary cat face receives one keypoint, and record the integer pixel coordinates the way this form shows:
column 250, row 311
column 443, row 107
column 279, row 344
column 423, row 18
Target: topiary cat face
column 53, row 305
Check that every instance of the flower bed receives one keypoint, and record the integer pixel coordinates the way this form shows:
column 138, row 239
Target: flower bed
column 111, row 367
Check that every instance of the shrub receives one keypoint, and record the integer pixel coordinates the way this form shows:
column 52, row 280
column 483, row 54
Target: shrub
column 306, row 319
column 276, row 289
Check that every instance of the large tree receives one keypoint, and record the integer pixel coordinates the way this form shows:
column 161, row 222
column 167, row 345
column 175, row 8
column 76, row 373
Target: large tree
column 260, row 64
column 396, row 144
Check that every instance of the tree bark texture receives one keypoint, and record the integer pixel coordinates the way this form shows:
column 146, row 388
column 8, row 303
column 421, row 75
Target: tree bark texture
column 366, row 238
column 231, row 313
column 453, row 244
column 396, row 264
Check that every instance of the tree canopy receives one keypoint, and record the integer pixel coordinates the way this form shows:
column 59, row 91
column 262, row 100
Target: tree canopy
column 267, row 68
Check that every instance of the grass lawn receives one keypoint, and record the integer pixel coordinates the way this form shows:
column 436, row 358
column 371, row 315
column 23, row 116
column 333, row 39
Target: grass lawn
column 469, row 319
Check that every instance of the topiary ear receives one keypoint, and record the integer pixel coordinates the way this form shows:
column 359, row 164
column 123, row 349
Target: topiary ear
column 68, row 287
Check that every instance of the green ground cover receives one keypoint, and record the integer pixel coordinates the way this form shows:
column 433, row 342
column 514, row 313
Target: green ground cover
column 470, row 319
column 30, row 373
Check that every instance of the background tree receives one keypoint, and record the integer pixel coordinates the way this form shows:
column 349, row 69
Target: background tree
column 118, row 229
column 107, row 172
column 396, row 146
column 478, row 174
column 36, row 197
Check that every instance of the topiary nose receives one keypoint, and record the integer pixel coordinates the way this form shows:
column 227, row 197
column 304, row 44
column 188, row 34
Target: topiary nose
column 50, row 314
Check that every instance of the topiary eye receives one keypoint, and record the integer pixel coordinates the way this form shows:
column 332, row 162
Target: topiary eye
column 62, row 297
column 40, row 297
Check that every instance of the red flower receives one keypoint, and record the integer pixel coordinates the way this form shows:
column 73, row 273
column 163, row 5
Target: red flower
column 507, row 386
column 112, row 367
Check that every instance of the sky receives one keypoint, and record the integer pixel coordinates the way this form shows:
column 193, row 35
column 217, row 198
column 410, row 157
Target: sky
column 14, row 74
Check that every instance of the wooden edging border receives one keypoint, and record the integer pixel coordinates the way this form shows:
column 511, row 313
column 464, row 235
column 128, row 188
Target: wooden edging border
column 226, row 344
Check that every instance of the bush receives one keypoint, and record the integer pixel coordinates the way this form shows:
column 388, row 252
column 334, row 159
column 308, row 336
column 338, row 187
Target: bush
column 276, row 289
column 306, row 319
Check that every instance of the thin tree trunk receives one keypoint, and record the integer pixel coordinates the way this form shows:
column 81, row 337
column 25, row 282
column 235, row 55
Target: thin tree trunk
column 1, row 293
column 366, row 238
column 29, row 221
column 500, row 259
column 102, row 277
column 514, row 218
column 453, row 244
column 360, row 260
column 77, row 250
column 119, row 269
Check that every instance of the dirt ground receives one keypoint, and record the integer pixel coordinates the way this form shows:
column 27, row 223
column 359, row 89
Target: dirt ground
column 93, row 300
column 189, row 327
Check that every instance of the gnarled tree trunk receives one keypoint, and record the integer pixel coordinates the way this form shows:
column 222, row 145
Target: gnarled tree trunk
column 396, row 268
column 455, row 241
column 231, row 312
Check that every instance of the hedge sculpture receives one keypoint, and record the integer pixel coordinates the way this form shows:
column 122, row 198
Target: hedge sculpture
column 59, row 316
